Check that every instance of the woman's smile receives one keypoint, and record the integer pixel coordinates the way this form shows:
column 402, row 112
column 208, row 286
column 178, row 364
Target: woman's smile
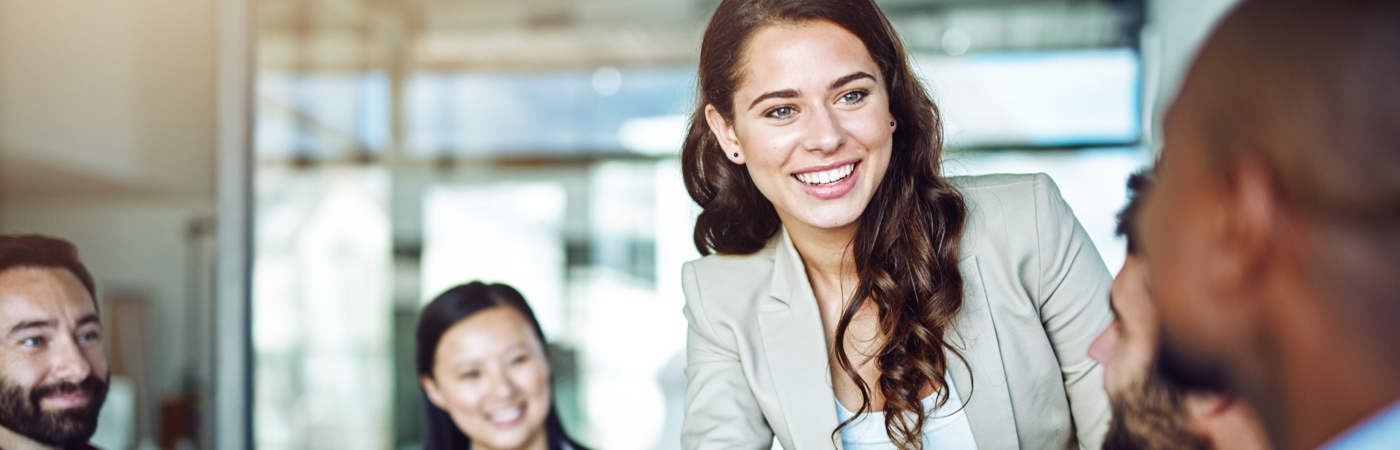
column 826, row 182
column 508, row 417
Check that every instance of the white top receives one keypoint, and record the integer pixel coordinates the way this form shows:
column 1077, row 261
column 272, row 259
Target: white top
column 946, row 428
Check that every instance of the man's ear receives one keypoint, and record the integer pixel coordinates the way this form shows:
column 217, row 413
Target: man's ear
column 1253, row 222
column 1203, row 406
column 430, row 387
column 724, row 133
column 1226, row 421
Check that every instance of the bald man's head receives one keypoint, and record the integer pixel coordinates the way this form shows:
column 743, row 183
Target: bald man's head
column 1312, row 90
column 1273, row 225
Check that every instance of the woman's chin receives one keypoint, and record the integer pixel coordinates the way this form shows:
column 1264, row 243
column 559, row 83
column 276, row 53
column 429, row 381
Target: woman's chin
column 510, row 440
column 833, row 220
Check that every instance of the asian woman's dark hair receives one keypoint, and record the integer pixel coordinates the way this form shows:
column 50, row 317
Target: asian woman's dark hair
column 446, row 310
column 906, row 244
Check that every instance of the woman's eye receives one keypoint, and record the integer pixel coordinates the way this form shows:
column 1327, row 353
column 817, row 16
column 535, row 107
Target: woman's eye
column 519, row 360
column 471, row 375
column 854, row 96
column 781, row 112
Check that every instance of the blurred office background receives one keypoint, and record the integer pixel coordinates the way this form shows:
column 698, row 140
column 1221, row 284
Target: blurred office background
column 267, row 191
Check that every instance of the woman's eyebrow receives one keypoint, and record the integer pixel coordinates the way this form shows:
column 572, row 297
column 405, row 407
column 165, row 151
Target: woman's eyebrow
column 785, row 93
column 849, row 78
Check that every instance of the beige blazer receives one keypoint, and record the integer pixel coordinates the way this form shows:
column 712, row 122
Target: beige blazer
column 1036, row 296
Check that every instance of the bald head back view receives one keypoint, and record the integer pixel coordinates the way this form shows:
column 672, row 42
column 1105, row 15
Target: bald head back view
column 1274, row 227
column 1312, row 88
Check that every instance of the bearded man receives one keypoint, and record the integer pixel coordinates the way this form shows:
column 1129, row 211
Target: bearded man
column 53, row 373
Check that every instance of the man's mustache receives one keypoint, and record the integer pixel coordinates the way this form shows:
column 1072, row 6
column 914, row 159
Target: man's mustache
column 91, row 386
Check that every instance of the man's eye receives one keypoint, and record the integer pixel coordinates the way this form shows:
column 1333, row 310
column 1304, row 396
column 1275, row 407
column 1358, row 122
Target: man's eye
column 32, row 342
column 89, row 337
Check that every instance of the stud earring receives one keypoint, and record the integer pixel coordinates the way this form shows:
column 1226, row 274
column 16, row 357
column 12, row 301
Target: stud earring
column 736, row 154
column 891, row 123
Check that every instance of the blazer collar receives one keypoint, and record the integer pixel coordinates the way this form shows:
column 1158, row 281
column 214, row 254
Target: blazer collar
column 984, row 387
column 796, row 350
column 789, row 273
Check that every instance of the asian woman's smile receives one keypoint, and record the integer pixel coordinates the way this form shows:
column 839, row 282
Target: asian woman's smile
column 811, row 123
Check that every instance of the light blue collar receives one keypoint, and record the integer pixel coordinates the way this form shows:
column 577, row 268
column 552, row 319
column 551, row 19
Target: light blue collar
column 1380, row 431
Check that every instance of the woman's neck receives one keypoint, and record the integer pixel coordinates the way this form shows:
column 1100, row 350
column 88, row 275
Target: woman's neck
column 827, row 254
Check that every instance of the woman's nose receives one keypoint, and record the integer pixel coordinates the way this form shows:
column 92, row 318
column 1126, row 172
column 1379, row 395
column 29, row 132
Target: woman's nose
column 823, row 131
column 503, row 386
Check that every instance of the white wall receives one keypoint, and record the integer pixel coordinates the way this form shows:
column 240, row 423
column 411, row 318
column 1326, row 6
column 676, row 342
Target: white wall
column 119, row 91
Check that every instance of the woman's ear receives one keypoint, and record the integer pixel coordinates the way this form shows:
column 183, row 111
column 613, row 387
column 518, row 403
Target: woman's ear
column 430, row 387
column 724, row 133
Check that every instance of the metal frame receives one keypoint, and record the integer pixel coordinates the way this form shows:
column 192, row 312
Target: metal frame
column 231, row 411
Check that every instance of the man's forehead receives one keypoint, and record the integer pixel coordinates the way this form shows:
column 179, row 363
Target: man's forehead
column 1183, row 107
column 42, row 293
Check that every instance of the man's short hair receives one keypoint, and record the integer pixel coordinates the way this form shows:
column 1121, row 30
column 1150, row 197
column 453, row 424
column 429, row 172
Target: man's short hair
column 1138, row 184
column 39, row 251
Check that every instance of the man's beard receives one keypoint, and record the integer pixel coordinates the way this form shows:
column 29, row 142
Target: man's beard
column 1179, row 369
column 21, row 412
column 1151, row 415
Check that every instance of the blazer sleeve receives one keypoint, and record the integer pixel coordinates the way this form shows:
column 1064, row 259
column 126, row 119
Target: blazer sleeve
column 720, row 409
column 1073, row 299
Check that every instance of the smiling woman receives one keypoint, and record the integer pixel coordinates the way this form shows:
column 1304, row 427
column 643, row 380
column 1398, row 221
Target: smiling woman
column 484, row 371
column 853, row 296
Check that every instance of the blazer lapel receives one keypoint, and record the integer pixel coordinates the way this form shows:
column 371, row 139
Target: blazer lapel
column 984, row 389
column 796, row 350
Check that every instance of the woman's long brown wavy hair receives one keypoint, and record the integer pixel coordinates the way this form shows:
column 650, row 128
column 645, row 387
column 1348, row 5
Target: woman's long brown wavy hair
column 906, row 244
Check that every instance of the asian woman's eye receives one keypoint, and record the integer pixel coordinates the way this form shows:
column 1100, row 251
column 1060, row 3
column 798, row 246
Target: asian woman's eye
column 470, row 375
column 781, row 112
column 854, row 96
column 519, row 359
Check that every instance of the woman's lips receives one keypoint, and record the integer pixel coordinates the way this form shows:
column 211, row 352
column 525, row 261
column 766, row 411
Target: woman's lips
column 830, row 183
column 826, row 177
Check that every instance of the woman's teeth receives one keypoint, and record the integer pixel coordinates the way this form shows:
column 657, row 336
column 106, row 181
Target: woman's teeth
column 507, row 415
column 827, row 176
